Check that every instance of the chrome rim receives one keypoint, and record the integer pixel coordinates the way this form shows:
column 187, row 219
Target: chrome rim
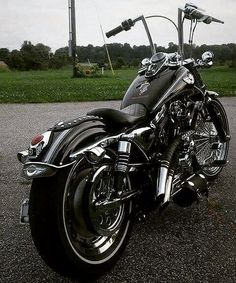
column 208, row 146
column 94, row 235
column 105, row 219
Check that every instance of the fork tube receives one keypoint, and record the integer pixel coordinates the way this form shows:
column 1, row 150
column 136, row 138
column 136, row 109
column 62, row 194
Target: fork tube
column 181, row 35
column 153, row 49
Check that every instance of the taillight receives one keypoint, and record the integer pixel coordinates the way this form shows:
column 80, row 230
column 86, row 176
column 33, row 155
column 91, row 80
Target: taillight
column 37, row 139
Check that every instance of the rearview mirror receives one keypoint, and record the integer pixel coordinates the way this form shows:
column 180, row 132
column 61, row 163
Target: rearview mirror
column 207, row 56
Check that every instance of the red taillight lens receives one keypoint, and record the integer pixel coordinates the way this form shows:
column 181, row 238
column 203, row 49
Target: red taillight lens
column 37, row 139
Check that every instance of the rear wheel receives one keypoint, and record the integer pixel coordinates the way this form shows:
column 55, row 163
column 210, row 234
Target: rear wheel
column 76, row 225
column 209, row 148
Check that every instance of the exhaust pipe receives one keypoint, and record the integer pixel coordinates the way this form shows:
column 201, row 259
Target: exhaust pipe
column 163, row 185
column 168, row 187
column 161, row 181
column 190, row 190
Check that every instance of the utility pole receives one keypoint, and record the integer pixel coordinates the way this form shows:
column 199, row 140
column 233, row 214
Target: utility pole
column 72, row 34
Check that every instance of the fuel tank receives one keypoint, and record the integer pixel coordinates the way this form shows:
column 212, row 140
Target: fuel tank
column 153, row 92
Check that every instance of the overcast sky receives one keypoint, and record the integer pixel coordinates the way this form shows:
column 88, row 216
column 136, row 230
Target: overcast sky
column 46, row 21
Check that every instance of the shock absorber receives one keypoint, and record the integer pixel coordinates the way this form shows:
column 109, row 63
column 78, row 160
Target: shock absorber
column 121, row 166
column 124, row 148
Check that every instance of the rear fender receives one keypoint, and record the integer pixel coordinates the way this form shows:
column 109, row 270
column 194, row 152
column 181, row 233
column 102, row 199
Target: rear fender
column 66, row 138
column 88, row 130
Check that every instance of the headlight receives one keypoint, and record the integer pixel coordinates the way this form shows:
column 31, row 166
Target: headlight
column 189, row 79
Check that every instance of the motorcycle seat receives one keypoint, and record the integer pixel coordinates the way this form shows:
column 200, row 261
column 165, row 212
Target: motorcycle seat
column 116, row 119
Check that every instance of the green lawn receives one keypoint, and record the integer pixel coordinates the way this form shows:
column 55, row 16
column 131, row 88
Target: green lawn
column 221, row 80
column 58, row 86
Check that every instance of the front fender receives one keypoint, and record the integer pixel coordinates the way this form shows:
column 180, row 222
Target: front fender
column 215, row 116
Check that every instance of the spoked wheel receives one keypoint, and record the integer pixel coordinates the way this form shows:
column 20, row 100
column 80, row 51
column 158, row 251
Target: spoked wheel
column 95, row 222
column 209, row 148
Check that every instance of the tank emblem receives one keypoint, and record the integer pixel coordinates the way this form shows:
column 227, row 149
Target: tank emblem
column 143, row 88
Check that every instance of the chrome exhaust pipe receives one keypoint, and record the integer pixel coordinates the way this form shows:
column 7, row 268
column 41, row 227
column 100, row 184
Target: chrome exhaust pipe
column 164, row 169
column 168, row 186
column 168, row 189
column 161, row 181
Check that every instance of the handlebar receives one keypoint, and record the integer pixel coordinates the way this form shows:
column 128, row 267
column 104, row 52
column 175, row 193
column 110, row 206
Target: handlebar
column 125, row 25
column 192, row 13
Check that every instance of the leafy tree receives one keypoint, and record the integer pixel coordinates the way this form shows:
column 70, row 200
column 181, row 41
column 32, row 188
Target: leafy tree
column 29, row 56
column 35, row 57
column 119, row 63
column 43, row 55
column 172, row 47
column 39, row 57
column 4, row 55
column 60, row 58
column 16, row 60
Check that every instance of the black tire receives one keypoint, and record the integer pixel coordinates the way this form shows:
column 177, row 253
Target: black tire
column 205, row 126
column 53, row 230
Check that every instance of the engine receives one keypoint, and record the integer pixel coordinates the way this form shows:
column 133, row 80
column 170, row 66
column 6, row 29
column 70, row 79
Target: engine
column 180, row 114
column 189, row 186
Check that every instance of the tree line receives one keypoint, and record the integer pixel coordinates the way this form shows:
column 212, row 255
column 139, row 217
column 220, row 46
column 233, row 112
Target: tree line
column 40, row 56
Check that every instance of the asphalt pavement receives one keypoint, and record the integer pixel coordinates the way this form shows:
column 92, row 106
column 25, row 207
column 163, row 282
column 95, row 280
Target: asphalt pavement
column 196, row 244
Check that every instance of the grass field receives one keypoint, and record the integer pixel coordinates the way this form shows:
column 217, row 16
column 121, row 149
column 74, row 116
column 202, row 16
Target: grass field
column 58, row 86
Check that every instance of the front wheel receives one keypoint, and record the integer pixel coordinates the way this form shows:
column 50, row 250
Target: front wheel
column 209, row 148
column 77, row 226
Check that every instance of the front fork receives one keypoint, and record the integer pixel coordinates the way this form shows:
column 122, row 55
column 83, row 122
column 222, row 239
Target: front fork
column 224, row 137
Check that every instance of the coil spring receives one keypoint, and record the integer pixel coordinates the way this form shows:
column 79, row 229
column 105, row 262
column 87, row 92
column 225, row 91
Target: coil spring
column 122, row 162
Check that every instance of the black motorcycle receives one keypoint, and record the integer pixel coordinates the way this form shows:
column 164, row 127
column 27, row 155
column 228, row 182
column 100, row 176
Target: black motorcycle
column 95, row 175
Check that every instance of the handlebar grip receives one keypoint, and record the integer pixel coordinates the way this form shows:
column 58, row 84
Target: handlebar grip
column 216, row 20
column 114, row 31
column 193, row 13
column 196, row 14
column 125, row 25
